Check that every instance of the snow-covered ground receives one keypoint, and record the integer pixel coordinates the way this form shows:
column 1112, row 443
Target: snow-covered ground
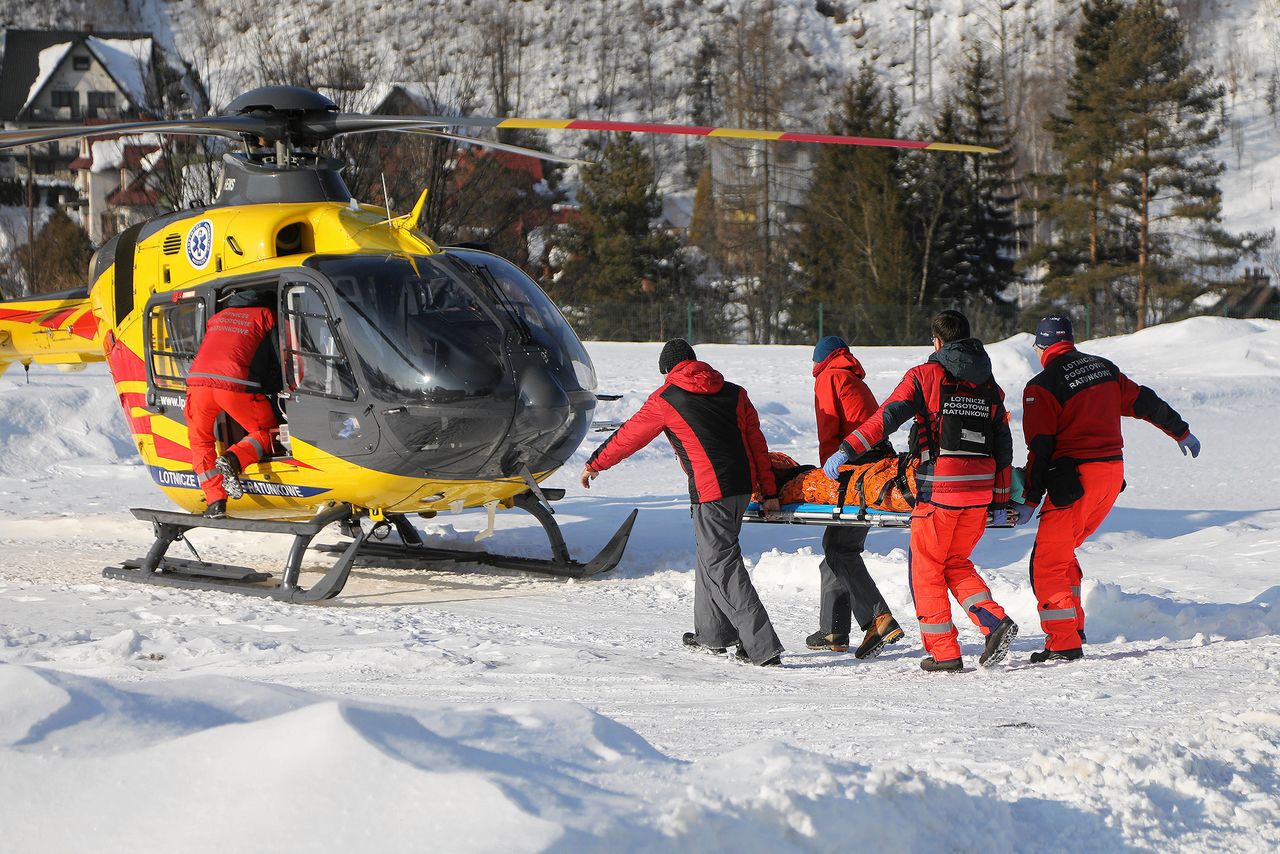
column 489, row 710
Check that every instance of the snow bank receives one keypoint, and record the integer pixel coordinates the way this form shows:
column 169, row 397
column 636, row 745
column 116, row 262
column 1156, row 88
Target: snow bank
column 274, row 769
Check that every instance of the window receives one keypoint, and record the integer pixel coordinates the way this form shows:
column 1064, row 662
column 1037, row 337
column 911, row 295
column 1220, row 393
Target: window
column 66, row 100
column 174, row 333
column 101, row 102
column 313, row 359
column 80, row 63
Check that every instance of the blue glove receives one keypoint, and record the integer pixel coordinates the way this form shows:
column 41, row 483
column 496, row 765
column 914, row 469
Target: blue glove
column 1000, row 518
column 1192, row 444
column 832, row 466
column 1026, row 512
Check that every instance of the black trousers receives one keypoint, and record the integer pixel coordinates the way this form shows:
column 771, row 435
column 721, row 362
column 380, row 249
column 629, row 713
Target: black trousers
column 848, row 590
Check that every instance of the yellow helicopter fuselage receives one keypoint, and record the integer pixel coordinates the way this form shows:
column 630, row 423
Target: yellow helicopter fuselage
column 233, row 243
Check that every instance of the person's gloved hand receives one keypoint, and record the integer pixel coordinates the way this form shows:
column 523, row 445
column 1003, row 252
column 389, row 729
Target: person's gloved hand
column 832, row 466
column 1026, row 512
column 1190, row 443
column 1000, row 518
column 770, row 508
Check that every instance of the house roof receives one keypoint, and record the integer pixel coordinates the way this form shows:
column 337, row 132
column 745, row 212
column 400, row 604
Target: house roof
column 21, row 68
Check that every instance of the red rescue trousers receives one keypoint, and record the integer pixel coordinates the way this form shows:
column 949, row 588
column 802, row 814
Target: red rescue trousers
column 253, row 412
column 1055, row 571
column 941, row 541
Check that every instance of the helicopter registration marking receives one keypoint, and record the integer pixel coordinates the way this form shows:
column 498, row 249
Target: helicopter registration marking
column 200, row 244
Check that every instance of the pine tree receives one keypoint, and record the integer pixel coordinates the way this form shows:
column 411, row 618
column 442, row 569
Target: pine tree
column 937, row 189
column 617, row 256
column 1088, row 244
column 63, row 249
column 853, row 242
column 988, row 236
column 1165, row 119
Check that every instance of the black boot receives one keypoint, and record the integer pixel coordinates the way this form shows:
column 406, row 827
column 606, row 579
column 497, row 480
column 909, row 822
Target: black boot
column 691, row 640
column 822, row 640
column 216, row 510
column 229, row 467
column 741, row 655
column 1049, row 655
column 997, row 645
column 951, row 665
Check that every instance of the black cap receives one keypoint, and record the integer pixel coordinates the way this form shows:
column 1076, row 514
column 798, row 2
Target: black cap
column 674, row 352
column 1052, row 329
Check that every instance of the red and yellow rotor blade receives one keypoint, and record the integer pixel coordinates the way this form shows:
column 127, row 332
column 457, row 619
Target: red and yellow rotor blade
column 732, row 133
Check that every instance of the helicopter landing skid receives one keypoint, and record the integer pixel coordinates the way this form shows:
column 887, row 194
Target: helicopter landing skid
column 413, row 551
column 171, row 526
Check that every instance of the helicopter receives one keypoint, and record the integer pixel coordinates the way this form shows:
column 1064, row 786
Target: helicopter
column 413, row 379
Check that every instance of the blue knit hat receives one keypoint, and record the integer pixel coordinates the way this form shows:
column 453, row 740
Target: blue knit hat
column 1052, row 329
column 827, row 346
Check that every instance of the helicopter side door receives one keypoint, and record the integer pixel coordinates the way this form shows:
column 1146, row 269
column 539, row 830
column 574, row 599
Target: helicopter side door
column 321, row 398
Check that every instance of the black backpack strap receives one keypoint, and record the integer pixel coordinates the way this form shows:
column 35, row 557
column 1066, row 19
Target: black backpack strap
column 902, row 481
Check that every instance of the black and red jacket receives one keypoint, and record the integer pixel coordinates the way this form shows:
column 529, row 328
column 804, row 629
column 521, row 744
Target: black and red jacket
column 943, row 480
column 1072, row 409
column 712, row 427
column 231, row 344
column 841, row 399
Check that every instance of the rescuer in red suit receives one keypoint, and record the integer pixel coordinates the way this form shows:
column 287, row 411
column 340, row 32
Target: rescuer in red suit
column 842, row 401
column 961, row 437
column 224, row 378
column 1071, row 418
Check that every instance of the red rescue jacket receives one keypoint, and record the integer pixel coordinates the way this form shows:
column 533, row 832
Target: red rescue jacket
column 1072, row 409
column 712, row 427
column 841, row 399
column 945, row 481
column 231, row 342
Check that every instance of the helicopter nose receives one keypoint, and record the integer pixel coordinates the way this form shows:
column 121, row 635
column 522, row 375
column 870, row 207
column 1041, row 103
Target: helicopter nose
column 543, row 402
column 547, row 427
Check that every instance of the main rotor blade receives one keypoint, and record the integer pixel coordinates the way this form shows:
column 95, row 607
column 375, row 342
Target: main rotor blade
column 498, row 146
column 354, row 123
column 229, row 126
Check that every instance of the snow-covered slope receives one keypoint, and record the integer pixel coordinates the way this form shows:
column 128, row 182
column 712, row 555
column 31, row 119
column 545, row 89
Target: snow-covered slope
column 482, row 709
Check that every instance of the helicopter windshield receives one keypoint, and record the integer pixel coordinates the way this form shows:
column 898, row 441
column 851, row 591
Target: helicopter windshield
column 417, row 327
column 536, row 310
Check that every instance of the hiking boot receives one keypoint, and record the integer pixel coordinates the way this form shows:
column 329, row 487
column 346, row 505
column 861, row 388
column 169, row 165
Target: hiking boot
column 776, row 661
column 884, row 631
column 835, row 643
column 1049, row 655
column 691, row 640
column 951, row 665
column 216, row 510
column 229, row 467
column 997, row 645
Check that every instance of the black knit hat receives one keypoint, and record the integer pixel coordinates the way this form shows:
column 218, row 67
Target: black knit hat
column 674, row 352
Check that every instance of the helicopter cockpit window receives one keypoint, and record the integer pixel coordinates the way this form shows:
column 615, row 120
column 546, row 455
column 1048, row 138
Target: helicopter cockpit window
column 418, row 329
column 313, row 359
column 174, row 330
column 545, row 322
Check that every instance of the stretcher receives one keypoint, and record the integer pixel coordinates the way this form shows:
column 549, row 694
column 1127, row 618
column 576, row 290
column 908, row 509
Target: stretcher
column 847, row 516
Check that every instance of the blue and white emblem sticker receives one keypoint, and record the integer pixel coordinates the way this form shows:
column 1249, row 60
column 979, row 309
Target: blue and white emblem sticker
column 200, row 244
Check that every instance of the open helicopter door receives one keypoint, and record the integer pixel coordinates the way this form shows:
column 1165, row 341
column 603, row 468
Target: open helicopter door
column 321, row 398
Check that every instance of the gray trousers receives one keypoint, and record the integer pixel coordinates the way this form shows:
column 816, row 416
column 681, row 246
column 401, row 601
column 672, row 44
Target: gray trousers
column 847, row 588
column 726, row 607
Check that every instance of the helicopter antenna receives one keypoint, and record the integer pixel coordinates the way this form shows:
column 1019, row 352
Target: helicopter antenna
column 386, row 198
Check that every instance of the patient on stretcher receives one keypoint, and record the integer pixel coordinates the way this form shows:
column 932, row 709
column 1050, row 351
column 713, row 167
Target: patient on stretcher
column 887, row 484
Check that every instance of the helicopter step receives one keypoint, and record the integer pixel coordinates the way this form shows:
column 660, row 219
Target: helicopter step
column 170, row 527
column 412, row 551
